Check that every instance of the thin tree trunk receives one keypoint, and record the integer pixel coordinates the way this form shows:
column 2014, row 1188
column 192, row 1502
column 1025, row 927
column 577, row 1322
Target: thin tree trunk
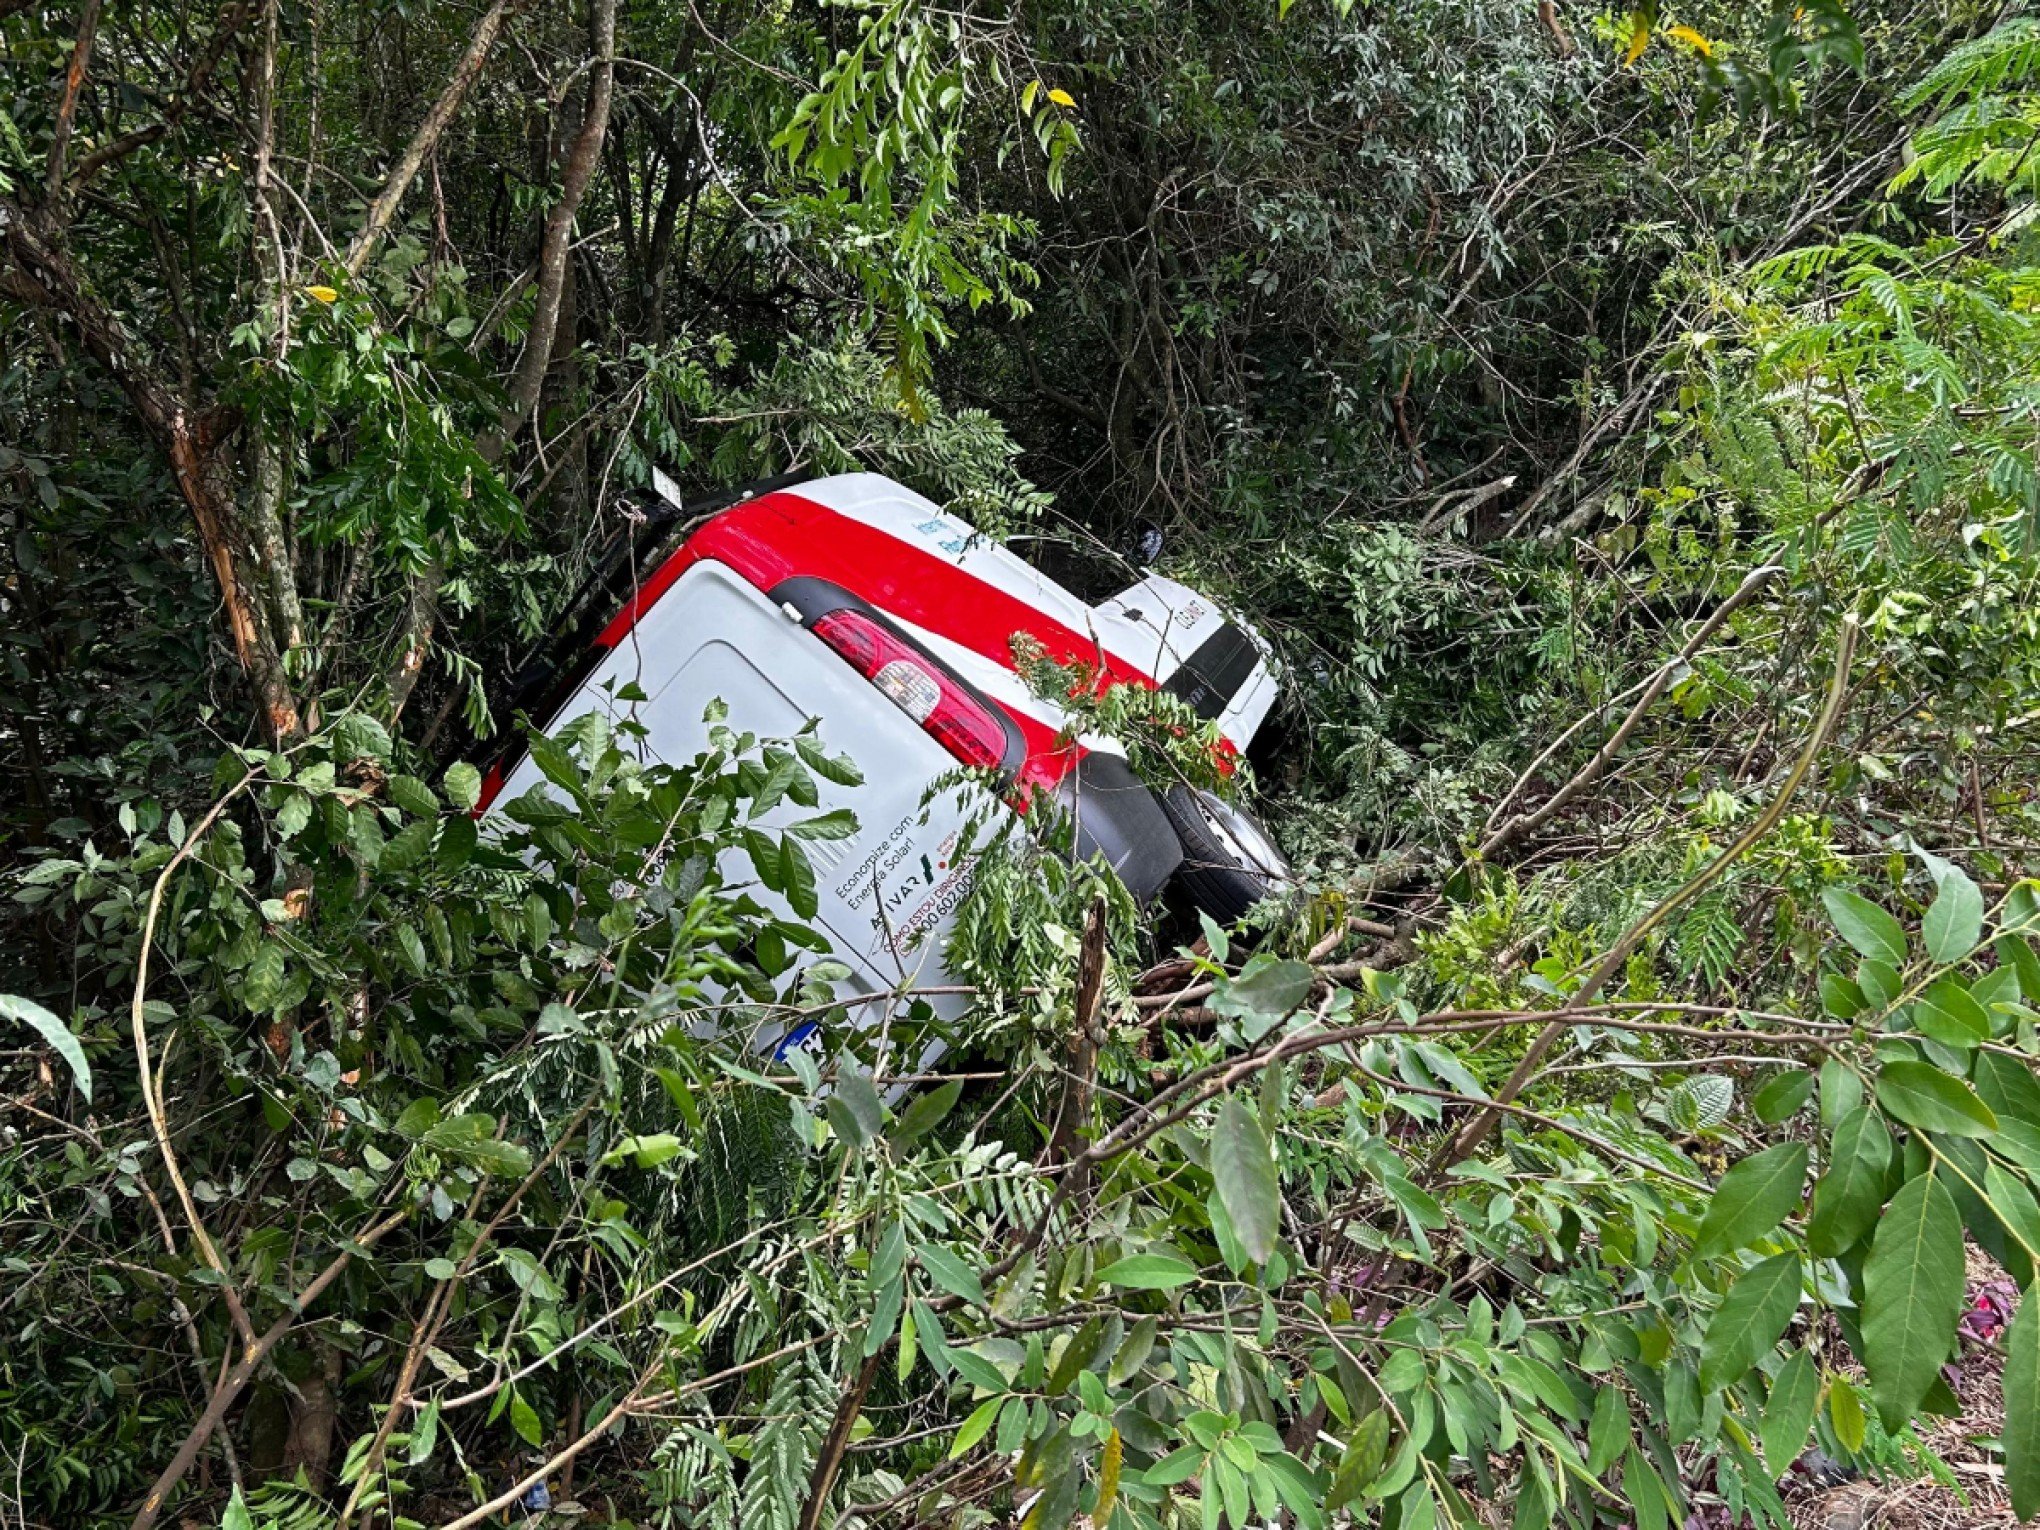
column 465, row 73
column 421, row 600
column 582, row 160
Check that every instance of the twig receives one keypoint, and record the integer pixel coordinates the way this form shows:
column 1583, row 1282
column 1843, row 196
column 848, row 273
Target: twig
column 151, row 1100
column 1457, row 1149
column 1522, row 825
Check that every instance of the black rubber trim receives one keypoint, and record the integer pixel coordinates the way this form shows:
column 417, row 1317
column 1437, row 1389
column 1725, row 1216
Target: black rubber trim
column 816, row 598
column 1213, row 675
column 560, row 663
column 1117, row 816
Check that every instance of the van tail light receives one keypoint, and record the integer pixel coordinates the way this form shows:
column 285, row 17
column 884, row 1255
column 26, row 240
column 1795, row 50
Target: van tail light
column 947, row 713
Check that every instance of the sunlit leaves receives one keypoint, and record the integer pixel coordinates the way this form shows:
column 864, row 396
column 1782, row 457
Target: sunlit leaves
column 1921, row 1095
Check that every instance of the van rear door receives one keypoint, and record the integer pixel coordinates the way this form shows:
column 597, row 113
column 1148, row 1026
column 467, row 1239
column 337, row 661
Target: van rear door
column 886, row 895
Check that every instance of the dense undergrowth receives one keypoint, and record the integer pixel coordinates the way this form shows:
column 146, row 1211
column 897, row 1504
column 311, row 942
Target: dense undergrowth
column 1631, row 455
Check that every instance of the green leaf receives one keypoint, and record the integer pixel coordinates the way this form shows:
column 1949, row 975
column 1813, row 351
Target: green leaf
column 1788, row 1412
column 2007, row 1086
column 236, row 1516
column 1243, row 1166
column 2013, row 1205
column 925, row 1112
column 1608, row 1434
column 2021, row 1429
column 797, row 877
column 524, row 1419
column 854, row 1108
column 1077, row 1354
column 1149, row 1272
column 1366, row 1452
column 463, row 785
column 837, row 823
column 413, row 796
column 1846, row 1200
column 425, row 1433
column 2016, row 953
column 1954, row 1026
column 1645, row 1492
column 1921, row 1095
column 1750, row 1321
column 1752, row 1198
column 977, row 1426
column 1954, row 920
column 1179, row 1465
column 1782, row 1096
column 55, row 1033
column 1912, row 1296
column 1845, row 1413
column 1267, row 988
column 1865, row 926
column 951, row 1273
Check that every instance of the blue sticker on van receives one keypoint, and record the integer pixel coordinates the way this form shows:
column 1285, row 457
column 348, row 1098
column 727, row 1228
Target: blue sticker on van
column 796, row 1038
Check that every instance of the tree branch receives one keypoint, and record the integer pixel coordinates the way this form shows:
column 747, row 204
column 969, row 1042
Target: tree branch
column 464, row 75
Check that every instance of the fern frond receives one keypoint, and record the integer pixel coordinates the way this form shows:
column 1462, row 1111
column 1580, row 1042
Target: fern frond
column 1707, row 938
column 2009, row 54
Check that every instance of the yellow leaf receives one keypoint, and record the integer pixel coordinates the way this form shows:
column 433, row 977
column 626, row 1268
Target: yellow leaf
column 323, row 294
column 1639, row 37
column 1062, row 97
column 1108, row 1479
column 1693, row 39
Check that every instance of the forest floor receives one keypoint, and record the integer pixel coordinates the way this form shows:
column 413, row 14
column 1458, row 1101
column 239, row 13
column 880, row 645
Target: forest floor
column 1965, row 1444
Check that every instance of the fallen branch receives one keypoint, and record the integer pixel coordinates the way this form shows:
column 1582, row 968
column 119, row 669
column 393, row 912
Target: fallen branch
column 1462, row 1146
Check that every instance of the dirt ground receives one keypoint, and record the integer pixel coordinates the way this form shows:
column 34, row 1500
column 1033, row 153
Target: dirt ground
column 1977, row 1501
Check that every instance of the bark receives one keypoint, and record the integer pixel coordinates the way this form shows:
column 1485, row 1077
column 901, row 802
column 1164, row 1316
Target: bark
column 829, row 1460
column 582, row 160
column 35, row 268
column 421, row 600
column 237, row 1379
column 67, row 104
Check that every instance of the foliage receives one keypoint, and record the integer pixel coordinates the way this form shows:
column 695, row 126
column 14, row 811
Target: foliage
column 1601, row 1129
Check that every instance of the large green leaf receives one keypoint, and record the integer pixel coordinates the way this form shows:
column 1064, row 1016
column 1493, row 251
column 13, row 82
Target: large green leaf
column 1954, row 920
column 1865, row 926
column 1752, row 1198
column 1845, row 1201
column 1609, row 1433
column 1244, row 1168
column 2021, row 1429
column 53, row 1031
column 2012, row 1204
column 1149, row 1272
column 1750, row 1320
column 1788, row 1412
column 1912, row 1296
column 2008, row 1087
column 1921, row 1095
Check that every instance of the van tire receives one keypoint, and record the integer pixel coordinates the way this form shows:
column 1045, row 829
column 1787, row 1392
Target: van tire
column 1230, row 863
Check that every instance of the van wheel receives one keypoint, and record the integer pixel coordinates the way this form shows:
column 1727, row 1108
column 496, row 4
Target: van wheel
column 1230, row 863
